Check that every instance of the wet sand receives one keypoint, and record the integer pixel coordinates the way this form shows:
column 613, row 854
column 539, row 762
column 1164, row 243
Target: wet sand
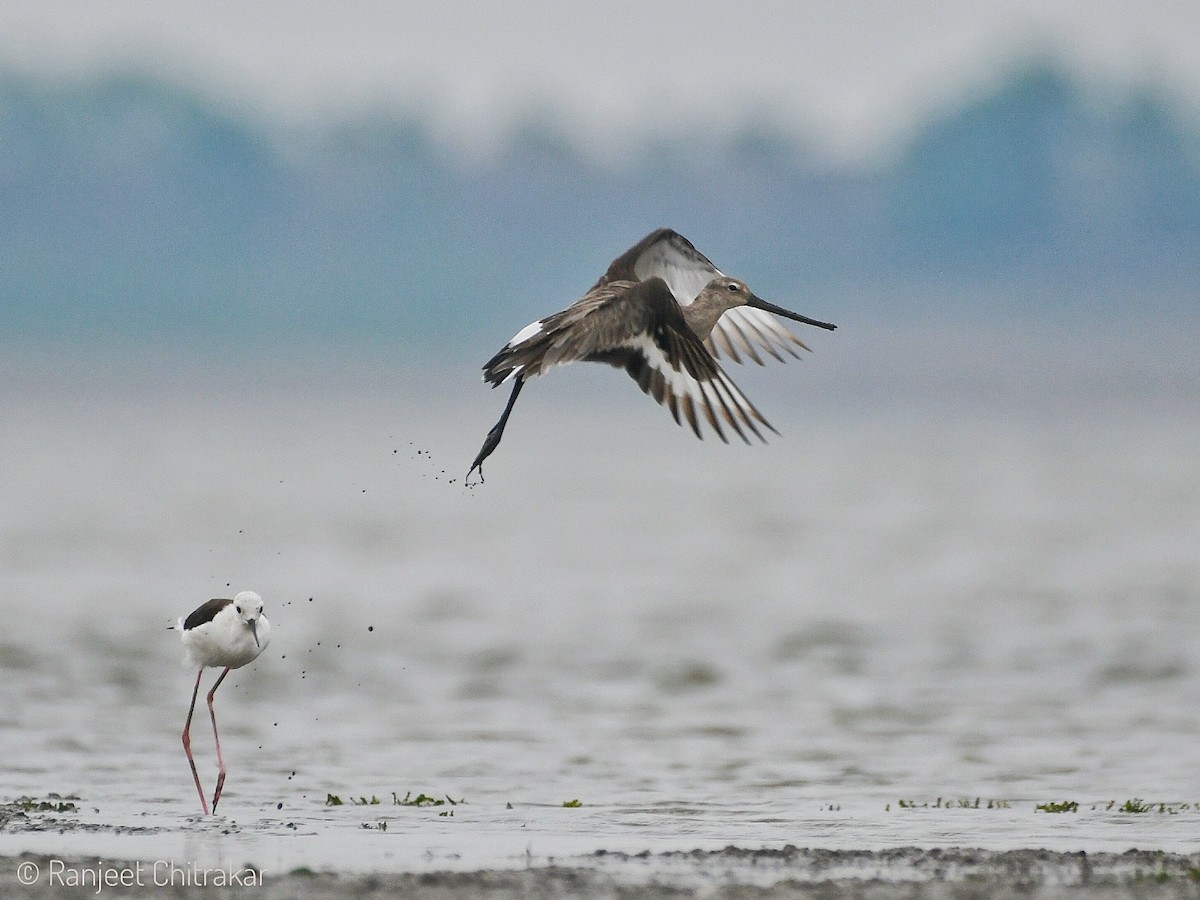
column 907, row 872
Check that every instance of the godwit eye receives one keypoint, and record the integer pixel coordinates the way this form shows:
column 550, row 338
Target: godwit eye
column 734, row 288
column 239, row 610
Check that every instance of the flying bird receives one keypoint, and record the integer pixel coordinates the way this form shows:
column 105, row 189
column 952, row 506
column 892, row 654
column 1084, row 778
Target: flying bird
column 220, row 633
column 664, row 313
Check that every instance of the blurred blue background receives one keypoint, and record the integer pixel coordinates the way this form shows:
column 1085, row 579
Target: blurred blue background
column 435, row 178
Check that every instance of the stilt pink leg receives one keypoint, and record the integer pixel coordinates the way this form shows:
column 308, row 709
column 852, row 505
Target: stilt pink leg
column 187, row 742
column 217, row 739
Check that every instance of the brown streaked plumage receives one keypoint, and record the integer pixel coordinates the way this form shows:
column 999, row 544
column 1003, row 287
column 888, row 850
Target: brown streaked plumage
column 645, row 316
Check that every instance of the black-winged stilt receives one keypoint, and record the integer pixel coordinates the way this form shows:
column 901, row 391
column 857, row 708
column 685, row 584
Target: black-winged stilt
column 220, row 633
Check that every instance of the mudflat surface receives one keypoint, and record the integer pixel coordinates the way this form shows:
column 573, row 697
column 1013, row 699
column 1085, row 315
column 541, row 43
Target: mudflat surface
column 947, row 623
column 732, row 872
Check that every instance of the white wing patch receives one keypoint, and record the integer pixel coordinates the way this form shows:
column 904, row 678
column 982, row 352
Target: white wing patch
column 533, row 329
column 716, row 399
column 685, row 274
column 743, row 327
column 740, row 331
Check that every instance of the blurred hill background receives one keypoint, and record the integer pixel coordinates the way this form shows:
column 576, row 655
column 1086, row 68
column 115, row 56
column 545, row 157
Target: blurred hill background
column 134, row 208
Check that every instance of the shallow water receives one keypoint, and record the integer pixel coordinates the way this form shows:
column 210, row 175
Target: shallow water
column 988, row 590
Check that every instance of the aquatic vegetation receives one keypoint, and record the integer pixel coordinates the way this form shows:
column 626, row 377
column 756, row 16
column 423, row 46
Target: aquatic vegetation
column 1133, row 806
column 29, row 804
column 572, row 804
column 423, row 799
column 25, row 809
column 1064, row 807
column 962, row 803
column 1137, row 806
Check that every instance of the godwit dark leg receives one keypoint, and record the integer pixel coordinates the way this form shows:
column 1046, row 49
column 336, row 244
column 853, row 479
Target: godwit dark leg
column 187, row 742
column 217, row 739
column 492, row 441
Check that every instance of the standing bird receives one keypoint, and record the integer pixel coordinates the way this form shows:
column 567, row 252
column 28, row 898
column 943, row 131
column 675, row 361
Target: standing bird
column 664, row 313
column 228, row 633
